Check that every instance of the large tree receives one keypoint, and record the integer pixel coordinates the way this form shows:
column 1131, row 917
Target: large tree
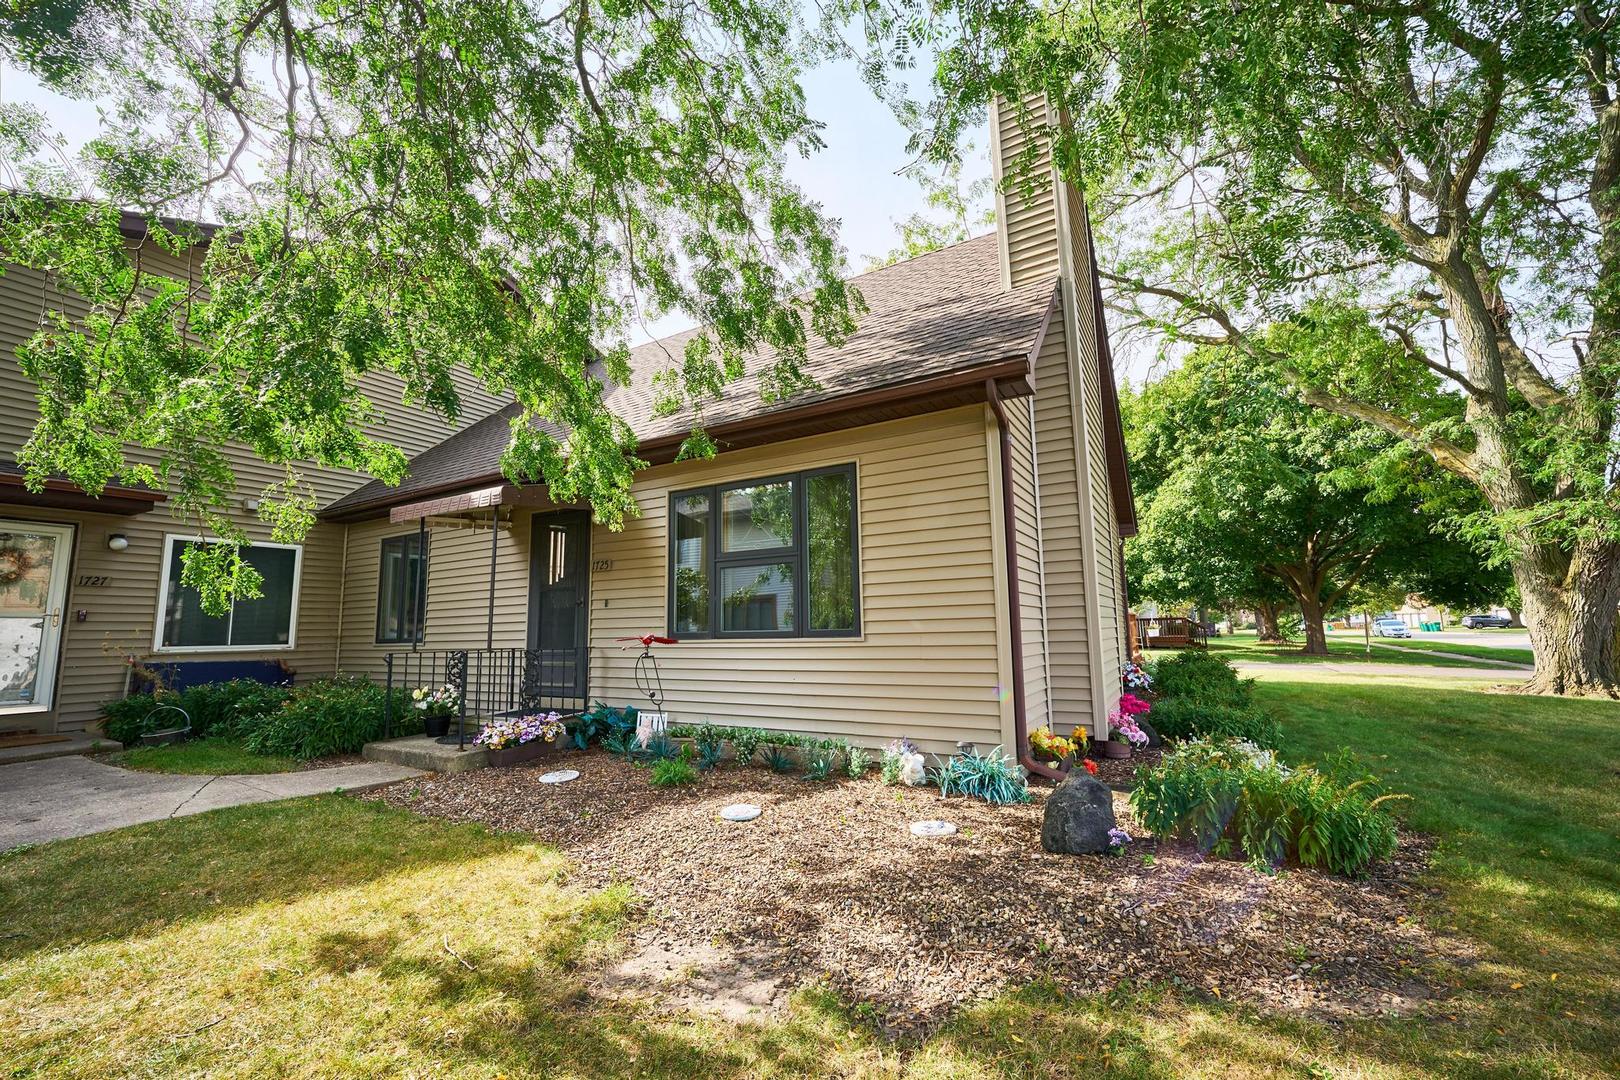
column 508, row 187
column 1450, row 167
column 1247, row 492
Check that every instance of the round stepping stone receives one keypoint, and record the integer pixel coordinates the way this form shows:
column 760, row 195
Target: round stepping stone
column 560, row 776
column 740, row 812
column 932, row 828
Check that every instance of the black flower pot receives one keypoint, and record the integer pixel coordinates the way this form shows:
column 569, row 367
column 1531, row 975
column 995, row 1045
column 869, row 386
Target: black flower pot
column 436, row 727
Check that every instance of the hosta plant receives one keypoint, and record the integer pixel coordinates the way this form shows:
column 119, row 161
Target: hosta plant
column 993, row 777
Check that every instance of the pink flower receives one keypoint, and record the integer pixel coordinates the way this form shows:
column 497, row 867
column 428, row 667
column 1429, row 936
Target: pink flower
column 1131, row 705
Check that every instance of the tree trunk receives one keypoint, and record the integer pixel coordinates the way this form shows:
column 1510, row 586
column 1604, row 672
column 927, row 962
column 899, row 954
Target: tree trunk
column 1515, row 619
column 1310, row 609
column 1265, row 620
column 1572, row 620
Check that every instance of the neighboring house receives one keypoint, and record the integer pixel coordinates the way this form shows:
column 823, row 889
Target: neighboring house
column 927, row 545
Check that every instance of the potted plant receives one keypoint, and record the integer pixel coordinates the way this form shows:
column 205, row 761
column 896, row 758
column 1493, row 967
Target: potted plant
column 436, row 707
column 1124, row 734
column 514, row 739
column 1053, row 748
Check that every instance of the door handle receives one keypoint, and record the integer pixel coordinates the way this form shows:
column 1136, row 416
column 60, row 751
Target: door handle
column 56, row 618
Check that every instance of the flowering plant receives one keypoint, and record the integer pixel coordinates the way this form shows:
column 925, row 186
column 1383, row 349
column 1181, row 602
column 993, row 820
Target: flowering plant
column 1091, row 766
column 1131, row 705
column 1124, row 728
column 441, row 702
column 1135, row 677
column 1117, row 839
column 507, row 731
column 1049, row 746
column 903, row 763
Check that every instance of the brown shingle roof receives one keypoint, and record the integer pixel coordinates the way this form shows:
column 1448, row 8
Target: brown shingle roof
column 936, row 315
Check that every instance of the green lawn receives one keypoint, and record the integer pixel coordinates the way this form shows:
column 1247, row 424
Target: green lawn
column 203, row 757
column 330, row 937
column 1349, row 647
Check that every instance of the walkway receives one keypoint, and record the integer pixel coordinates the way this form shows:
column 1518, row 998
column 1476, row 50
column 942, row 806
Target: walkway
column 74, row 796
column 1509, row 664
column 1361, row 667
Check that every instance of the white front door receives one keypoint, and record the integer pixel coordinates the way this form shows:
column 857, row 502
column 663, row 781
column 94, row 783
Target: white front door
column 33, row 587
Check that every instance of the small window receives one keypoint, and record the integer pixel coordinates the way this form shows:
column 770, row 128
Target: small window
column 401, row 591
column 263, row 623
column 775, row 557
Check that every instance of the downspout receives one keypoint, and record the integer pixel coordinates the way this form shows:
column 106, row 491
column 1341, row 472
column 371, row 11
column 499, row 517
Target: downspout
column 1009, row 526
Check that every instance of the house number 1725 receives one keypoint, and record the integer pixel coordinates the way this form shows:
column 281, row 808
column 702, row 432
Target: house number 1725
column 599, row 565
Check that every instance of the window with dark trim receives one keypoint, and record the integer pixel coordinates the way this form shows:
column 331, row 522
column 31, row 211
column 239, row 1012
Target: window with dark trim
column 773, row 557
column 401, row 592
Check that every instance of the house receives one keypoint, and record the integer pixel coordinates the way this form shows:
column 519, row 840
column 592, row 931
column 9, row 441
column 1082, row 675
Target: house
column 927, row 544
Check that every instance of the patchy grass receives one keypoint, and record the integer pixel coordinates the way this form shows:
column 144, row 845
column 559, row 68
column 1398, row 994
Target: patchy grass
column 1484, row 652
column 203, row 757
column 332, row 937
column 1344, row 647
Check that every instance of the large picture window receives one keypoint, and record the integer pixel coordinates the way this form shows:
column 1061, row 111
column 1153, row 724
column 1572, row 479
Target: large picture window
column 264, row 623
column 401, row 592
column 775, row 557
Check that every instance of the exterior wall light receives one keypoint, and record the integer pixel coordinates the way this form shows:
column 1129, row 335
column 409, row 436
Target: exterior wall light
column 117, row 542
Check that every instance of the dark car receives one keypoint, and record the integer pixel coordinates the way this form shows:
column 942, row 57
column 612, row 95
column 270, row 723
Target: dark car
column 1486, row 622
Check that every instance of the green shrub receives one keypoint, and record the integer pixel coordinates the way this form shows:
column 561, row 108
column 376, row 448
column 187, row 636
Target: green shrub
column 231, row 709
column 745, row 743
column 673, row 772
column 1191, row 717
column 777, row 759
column 331, row 716
column 856, row 762
column 225, row 710
column 993, row 777
column 1222, row 797
column 1203, row 676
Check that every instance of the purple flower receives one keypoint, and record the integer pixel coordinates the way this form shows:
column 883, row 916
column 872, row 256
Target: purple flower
column 1118, row 837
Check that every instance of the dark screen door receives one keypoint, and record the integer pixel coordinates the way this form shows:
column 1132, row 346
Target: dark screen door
column 559, row 595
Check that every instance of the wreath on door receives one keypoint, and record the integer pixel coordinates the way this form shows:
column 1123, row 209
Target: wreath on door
column 15, row 563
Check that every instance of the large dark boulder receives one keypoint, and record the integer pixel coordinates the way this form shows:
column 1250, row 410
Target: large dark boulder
column 1150, row 731
column 1078, row 816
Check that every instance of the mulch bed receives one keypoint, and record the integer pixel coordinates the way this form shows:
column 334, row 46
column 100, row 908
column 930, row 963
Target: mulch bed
column 830, row 885
column 1120, row 773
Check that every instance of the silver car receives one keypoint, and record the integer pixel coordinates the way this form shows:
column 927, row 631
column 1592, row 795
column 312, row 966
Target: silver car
column 1391, row 628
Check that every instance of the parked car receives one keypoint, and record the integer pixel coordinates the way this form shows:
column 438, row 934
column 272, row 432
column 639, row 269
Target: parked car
column 1486, row 622
column 1391, row 628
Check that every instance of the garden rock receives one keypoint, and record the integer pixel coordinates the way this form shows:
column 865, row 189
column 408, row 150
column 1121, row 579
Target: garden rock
column 1078, row 816
column 1150, row 731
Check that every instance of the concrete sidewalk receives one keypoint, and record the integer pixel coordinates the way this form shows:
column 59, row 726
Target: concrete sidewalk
column 1358, row 667
column 74, row 796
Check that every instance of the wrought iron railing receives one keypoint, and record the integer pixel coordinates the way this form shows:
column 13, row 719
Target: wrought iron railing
column 490, row 683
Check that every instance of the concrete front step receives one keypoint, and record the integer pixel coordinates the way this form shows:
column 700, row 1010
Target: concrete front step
column 78, row 744
column 422, row 752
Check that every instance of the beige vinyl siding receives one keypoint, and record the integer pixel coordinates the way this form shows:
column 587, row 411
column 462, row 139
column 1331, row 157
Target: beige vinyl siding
column 457, row 590
column 1032, row 606
column 1068, row 643
column 1103, row 546
column 1025, row 215
column 926, row 664
column 121, row 616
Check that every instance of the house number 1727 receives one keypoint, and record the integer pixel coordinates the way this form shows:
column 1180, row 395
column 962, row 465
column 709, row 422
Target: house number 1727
column 93, row 581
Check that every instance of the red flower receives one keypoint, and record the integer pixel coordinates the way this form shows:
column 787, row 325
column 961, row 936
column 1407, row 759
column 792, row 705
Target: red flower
column 1091, row 767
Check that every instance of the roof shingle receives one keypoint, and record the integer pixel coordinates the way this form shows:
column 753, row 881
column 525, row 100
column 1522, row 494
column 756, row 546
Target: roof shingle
column 937, row 314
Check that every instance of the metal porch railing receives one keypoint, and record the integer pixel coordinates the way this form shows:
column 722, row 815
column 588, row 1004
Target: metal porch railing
column 490, row 683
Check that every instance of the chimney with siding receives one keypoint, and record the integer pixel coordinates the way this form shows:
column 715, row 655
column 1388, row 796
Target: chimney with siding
column 1044, row 236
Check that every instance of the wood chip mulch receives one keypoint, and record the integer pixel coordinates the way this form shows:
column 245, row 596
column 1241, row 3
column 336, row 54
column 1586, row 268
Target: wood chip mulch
column 830, row 885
